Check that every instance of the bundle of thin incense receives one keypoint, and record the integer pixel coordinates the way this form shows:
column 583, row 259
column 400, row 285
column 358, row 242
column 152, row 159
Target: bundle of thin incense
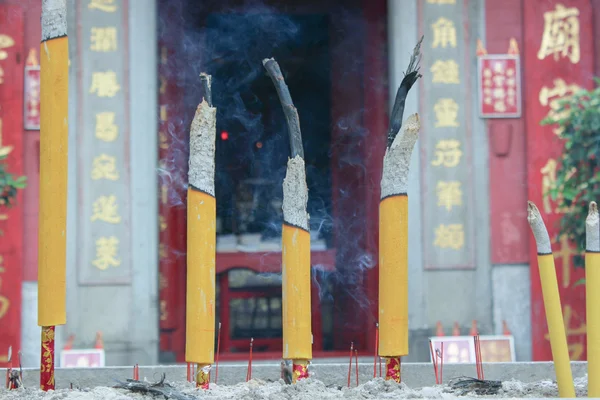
column 393, row 228
column 201, row 239
column 552, row 306
column 297, row 335
column 54, row 142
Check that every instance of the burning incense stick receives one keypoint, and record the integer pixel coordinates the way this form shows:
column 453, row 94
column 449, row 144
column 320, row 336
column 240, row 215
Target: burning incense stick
column 350, row 363
column 249, row 371
column 393, row 228
column 201, row 239
column 54, row 134
column 297, row 335
column 356, row 361
column 376, row 350
column 552, row 306
column 218, row 352
column 592, row 299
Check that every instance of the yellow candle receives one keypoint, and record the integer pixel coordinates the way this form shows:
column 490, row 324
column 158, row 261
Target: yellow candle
column 592, row 299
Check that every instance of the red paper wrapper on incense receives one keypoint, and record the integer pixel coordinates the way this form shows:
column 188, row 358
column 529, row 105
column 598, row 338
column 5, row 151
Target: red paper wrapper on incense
column 392, row 369
column 299, row 370
column 203, row 376
column 47, row 366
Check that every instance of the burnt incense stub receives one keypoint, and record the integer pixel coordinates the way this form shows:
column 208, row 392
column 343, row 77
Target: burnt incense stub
column 540, row 233
column 592, row 232
column 201, row 173
column 396, row 161
column 295, row 194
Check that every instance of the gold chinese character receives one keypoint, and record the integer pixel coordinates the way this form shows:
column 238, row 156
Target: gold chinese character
column 487, row 73
column 4, row 302
column 498, row 67
column 441, row 1
column 163, row 85
column 162, row 223
column 578, row 332
column 2, row 264
column 449, row 194
column 103, row 5
column 163, row 141
column 163, row 283
column 106, row 253
column 445, row 72
column 4, row 150
column 549, row 183
column 104, row 39
column 449, row 236
column 104, row 84
column 561, row 34
column 1, row 75
column 5, row 42
column 105, row 209
column 454, row 354
column 499, row 106
column 446, row 111
column 444, row 33
column 163, row 310
column 499, row 93
column 553, row 96
column 105, row 167
column 106, row 129
column 499, row 80
column 162, row 251
column 447, row 153
column 164, row 194
column 163, row 113
column 564, row 254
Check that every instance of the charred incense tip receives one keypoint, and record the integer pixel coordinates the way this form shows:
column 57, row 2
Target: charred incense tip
column 54, row 19
column 396, row 161
column 285, row 98
column 410, row 77
column 540, row 233
column 207, row 85
column 592, row 234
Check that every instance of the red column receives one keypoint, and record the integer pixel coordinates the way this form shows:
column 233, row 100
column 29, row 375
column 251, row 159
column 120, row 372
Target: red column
column 12, row 62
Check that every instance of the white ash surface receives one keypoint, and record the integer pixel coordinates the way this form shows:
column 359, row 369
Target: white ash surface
column 295, row 194
column 201, row 172
column 309, row 389
column 396, row 161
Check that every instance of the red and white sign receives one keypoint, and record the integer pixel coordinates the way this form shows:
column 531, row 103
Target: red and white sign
column 32, row 93
column 461, row 349
column 499, row 86
column 83, row 358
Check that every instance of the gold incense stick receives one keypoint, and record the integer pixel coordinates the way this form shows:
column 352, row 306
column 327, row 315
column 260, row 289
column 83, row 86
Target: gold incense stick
column 552, row 306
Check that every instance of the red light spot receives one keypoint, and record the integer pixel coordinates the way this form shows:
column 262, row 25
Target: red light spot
column 259, row 145
column 224, row 135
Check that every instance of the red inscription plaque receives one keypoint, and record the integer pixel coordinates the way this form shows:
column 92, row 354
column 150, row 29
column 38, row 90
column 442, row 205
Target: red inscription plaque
column 11, row 147
column 499, row 86
column 559, row 59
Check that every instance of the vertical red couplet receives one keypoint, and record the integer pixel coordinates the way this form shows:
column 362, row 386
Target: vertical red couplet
column 47, row 365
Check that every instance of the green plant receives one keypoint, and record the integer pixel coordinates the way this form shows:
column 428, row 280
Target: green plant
column 578, row 170
column 9, row 185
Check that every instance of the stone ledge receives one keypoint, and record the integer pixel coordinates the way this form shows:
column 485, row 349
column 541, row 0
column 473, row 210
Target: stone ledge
column 329, row 371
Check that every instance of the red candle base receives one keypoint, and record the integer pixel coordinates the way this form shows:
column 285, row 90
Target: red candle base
column 47, row 365
column 202, row 376
column 392, row 369
column 299, row 370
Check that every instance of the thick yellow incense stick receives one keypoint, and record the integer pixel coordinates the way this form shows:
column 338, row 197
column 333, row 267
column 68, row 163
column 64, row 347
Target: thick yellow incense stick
column 592, row 299
column 393, row 227
column 552, row 305
column 201, row 241
column 54, row 133
column 393, row 249
column 296, row 306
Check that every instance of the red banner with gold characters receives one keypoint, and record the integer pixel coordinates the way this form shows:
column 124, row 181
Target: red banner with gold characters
column 11, row 150
column 499, row 86
column 559, row 56
column 32, row 92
